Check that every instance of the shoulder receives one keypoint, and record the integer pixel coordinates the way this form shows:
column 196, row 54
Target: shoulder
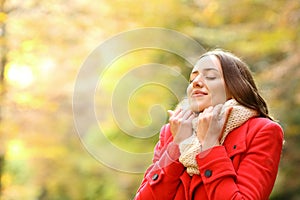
column 261, row 123
column 255, row 128
column 255, row 134
column 264, row 128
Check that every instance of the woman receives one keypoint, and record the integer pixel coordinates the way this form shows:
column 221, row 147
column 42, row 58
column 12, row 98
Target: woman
column 224, row 145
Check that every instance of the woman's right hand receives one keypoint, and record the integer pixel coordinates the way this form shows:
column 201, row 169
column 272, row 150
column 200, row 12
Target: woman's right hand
column 181, row 124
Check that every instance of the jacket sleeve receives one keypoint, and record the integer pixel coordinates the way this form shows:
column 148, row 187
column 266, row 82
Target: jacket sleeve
column 255, row 176
column 162, row 177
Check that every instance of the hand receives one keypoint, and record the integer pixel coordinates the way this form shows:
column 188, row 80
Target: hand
column 181, row 124
column 211, row 124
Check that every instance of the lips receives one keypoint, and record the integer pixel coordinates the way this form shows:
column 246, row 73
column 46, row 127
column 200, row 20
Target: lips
column 198, row 93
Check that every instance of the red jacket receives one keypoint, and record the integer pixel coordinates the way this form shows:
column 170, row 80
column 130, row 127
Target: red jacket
column 245, row 167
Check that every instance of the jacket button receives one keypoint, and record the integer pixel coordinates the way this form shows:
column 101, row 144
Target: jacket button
column 234, row 146
column 155, row 177
column 207, row 173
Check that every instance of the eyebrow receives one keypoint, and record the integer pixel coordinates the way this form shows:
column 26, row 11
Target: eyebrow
column 206, row 69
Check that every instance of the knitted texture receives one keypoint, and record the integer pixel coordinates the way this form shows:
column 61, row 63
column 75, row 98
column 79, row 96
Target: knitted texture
column 190, row 147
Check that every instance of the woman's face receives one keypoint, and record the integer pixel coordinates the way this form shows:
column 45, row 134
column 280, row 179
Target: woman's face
column 207, row 86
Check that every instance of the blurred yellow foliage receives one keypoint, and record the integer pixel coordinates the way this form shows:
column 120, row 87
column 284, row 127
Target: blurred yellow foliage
column 3, row 17
column 44, row 45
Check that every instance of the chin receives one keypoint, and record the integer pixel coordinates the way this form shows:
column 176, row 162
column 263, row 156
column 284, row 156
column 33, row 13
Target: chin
column 198, row 106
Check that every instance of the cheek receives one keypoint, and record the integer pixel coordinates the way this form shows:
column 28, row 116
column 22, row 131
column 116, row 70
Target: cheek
column 218, row 93
column 189, row 90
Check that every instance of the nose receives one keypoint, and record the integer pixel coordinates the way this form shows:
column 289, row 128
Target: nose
column 198, row 81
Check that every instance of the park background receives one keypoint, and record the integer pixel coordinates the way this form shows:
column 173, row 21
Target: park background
column 43, row 44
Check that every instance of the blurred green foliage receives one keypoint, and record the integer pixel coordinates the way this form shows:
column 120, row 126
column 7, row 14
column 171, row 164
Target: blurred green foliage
column 44, row 43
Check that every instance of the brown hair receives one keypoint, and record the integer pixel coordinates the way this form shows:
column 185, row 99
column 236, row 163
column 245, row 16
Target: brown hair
column 240, row 82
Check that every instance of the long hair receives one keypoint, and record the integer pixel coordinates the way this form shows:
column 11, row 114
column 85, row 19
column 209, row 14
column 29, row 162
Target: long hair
column 239, row 82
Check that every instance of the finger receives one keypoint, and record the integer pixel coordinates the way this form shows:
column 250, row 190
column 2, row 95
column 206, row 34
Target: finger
column 170, row 112
column 175, row 113
column 179, row 115
column 208, row 110
column 191, row 117
column 187, row 114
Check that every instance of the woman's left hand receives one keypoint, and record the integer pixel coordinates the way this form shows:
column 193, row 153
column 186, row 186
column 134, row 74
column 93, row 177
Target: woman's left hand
column 211, row 124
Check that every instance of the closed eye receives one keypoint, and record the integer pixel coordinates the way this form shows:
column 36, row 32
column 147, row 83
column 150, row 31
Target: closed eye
column 210, row 77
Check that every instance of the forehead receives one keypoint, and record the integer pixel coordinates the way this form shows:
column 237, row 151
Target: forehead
column 209, row 62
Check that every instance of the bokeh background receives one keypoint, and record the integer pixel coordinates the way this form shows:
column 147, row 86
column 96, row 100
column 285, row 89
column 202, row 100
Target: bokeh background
column 43, row 44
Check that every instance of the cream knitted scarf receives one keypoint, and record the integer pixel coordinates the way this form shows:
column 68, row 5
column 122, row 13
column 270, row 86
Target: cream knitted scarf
column 191, row 146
